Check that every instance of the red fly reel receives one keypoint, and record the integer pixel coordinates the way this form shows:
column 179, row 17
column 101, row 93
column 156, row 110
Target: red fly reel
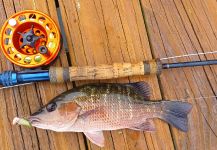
column 30, row 39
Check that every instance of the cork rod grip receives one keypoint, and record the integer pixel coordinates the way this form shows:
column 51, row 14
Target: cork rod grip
column 116, row 70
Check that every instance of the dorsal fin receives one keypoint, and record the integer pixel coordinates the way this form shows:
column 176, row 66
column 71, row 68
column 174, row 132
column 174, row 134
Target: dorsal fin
column 142, row 88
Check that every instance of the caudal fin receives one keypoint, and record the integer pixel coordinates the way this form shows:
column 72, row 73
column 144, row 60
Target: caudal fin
column 175, row 113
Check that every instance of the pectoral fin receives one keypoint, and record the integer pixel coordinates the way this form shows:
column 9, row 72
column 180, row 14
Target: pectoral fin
column 96, row 137
column 148, row 125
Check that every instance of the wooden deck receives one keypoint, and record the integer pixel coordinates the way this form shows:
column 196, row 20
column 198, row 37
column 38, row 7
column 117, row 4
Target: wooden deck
column 106, row 31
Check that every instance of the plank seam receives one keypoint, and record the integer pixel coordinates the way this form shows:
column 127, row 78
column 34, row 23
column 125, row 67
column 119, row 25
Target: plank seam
column 152, row 52
column 80, row 32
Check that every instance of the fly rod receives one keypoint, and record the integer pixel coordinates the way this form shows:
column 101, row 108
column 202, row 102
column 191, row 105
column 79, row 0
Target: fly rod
column 31, row 39
column 115, row 70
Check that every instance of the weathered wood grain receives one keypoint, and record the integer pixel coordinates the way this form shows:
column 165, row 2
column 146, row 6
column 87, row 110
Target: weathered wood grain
column 183, row 27
column 107, row 31
column 104, row 32
column 25, row 100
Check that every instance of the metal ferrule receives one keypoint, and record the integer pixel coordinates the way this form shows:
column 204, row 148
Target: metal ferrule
column 8, row 78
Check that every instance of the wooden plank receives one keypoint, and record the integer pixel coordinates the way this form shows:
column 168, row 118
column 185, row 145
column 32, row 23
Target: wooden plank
column 104, row 32
column 182, row 27
column 24, row 100
column 82, row 22
column 60, row 140
column 11, row 137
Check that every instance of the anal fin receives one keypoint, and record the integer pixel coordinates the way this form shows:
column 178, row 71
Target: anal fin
column 148, row 125
column 96, row 137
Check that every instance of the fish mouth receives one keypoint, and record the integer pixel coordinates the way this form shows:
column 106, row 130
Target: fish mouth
column 34, row 120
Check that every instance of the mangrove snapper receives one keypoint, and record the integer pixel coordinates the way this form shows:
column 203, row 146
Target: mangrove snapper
column 94, row 108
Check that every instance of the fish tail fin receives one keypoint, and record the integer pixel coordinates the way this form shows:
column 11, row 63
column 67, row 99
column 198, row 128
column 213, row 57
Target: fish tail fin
column 175, row 113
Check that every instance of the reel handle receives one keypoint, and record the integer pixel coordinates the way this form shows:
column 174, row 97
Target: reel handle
column 116, row 70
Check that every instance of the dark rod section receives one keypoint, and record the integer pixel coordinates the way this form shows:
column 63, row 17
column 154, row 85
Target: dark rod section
column 189, row 64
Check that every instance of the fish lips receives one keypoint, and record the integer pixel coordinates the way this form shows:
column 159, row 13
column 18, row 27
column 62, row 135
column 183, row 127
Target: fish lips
column 38, row 123
column 34, row 120
column 43, row 124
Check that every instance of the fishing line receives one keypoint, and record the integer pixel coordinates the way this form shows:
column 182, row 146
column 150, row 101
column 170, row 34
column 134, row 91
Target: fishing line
column 187, row 55
column 202, row 97
column 214, row 107
column 99, row 72
column 6, row 87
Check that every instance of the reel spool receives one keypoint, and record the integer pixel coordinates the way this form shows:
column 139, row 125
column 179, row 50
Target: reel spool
column 30, row 39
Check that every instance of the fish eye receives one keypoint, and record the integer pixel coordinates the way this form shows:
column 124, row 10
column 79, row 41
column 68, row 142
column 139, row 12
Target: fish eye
column 51, row 107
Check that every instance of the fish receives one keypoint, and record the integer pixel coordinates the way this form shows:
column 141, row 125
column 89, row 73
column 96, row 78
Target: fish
column 94, row 108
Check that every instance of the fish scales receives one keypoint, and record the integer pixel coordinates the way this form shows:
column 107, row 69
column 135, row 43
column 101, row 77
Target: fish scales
column 94, row 108
column 117, row 107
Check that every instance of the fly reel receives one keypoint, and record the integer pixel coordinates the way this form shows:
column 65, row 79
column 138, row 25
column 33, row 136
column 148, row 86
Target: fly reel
column 30, row 39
